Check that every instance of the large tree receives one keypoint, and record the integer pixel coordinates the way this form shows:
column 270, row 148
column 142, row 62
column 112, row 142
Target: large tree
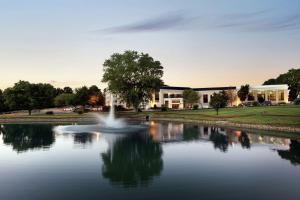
column 190, row 97
column 218, row 101
column 132, row 76
column 291, row 78
column 26, row 96
column 243, row 92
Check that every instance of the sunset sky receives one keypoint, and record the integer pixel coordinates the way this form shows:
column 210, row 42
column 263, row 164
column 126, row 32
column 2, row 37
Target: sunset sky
column 199, row 43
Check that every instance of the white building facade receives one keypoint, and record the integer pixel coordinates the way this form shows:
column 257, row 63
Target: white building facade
column 172, row 97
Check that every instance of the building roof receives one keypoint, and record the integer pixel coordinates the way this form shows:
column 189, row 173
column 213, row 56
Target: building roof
column 215, row 88
column 166, row 87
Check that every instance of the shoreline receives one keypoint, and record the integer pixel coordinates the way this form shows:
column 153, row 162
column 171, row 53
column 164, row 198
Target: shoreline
column 264, row 127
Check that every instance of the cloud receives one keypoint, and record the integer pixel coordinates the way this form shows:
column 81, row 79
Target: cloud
column 257, row 21
column 168, row 21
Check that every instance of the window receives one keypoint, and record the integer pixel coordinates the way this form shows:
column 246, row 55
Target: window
column 272, row 97
column 281, row 96
column 175, row 101
column 175, row 106
column 167, row 104
column 205, row 98
column 156, row 96
column 178, row 95
column 166, row 95
column 172, row 95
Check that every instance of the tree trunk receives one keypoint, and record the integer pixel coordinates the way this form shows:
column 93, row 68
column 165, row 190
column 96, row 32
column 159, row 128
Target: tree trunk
column 29, row 112
column 217, row 111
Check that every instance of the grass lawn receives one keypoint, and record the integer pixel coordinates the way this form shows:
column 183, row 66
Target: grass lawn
column 287, row 115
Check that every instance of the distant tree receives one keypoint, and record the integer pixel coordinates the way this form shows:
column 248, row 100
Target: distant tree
column 68, row 90
column 43, row 95
column 132, row 76
column 291, row 78
column 65, row 99
column 3, row 107
column 19, row 97
column 190, row 97
column 26, row 96
column 81, row 96
column 94, row 90
column 218, row 101
column 59, row 91
column 243, row 92
column 232, row 96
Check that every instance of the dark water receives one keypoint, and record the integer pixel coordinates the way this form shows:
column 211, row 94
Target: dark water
column 170, row 161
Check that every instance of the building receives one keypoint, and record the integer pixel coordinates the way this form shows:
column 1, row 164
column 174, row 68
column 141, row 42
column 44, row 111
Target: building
column 172, row 97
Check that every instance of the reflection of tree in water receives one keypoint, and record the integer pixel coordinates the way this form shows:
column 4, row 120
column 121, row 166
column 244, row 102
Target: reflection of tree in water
column 220, row 140
column 83, row 138
column 132, row 161
column 293, row 154
column 244, row 140
column 23, row 137
column 191, row 132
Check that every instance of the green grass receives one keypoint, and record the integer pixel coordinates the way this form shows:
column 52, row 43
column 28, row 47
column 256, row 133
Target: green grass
column 287, row 115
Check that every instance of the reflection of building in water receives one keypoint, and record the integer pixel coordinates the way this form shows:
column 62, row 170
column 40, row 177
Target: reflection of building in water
column 170, row 131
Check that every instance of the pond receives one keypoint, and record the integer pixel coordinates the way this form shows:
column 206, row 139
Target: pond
column 168, row 161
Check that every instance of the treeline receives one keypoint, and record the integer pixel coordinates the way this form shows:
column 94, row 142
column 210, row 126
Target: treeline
column 291, row 78
column 29, row 96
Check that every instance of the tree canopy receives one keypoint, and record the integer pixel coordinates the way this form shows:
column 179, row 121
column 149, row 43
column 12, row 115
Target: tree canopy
column 132, row 76
column 243, row 92
column 291, row 78
column 190, row 97
column 27, row 96
column 218, row 100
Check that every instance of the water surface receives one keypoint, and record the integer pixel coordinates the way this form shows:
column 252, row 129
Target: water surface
column 168, row 161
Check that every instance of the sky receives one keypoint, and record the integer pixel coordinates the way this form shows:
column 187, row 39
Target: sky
column 200, row 43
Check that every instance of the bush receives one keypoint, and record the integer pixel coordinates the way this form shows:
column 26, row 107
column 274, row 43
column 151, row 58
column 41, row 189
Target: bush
column 164, row 108
column 79, row 112
column 49, row 113
column 282, row 103
column 120, row 108
column 297, row 101
column 255, row 103
column 195, row 107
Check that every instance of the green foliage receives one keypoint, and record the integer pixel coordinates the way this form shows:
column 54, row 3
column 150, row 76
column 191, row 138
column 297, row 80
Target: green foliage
column 64, row 99
column 218, row 100
column 291, row 78
column 94, row 90
column 243, row 92
column 68, row 90
column 190, row 97
column 164, row 108
column 297, row 101
column 195, row 107
column 81, row 96
column 132, row 76
column 27, row 96
column 3, row 107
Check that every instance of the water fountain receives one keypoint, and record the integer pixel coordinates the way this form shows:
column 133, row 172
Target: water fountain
column 106, row 124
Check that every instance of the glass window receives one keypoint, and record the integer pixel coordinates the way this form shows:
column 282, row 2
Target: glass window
column 272, row 96
column 205, row 98
column 178, row 95
column 281, row 96
column 172, row 95
column 166, row 95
